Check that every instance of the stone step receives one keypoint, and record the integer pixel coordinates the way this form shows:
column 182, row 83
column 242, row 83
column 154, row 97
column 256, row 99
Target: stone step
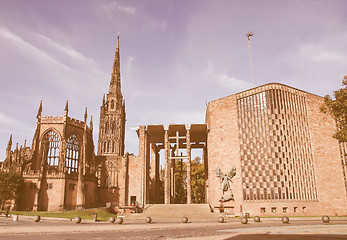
column 176, row 211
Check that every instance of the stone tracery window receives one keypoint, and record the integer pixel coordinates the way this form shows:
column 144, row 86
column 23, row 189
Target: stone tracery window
column 112, row 175
column 51, row 144
column 112, row 104
column 109, row 146
column 72, row 154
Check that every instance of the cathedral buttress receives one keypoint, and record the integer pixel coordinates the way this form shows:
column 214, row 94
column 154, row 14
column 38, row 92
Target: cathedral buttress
column 112, row 115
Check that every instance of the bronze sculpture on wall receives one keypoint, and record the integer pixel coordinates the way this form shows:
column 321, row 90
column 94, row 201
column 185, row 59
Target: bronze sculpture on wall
column 224, row 179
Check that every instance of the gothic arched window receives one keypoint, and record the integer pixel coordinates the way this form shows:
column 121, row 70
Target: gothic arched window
column 112, row 104
column 107, row 125
column 72, row 154
column 112, row 174
column 109, row 146
column 105, row 149
column 51, row 144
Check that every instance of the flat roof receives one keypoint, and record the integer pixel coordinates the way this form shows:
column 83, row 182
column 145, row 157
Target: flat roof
column 198, row 132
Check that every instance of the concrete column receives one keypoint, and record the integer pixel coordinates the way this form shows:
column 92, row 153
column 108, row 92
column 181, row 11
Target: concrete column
column 154, row 183
column 172, row 179
column 205, row 162
column 157, row 176
column 143, row 153
column 167, row 169
column 189, row 170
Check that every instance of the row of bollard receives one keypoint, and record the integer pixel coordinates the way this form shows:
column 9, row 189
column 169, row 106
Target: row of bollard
column 285, row 219
column 119, row 220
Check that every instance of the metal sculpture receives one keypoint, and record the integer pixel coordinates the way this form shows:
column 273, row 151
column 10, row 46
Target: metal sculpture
column 224, row 179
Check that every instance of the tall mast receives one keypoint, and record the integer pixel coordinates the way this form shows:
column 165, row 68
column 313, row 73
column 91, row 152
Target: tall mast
column 249, row 35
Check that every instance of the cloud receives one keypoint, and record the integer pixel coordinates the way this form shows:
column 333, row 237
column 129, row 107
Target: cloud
column 127, row 10
column 7, row 122
column 28, row 48
column 151, row 24
column 318, row 52
column 230, row 82
column 223, row 79
column 139, row 16
column 60, row 65
column 67, row 51
column 110, row 7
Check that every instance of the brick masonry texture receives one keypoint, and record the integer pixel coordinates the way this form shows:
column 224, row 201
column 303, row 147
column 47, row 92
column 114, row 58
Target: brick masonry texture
column 306, row 164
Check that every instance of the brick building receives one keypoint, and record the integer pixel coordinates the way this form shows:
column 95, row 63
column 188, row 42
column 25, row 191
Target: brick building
column 279, row 142
column 281, row 145
column 274, row 136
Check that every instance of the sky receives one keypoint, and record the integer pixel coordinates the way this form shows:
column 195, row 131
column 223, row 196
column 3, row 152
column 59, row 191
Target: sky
column 176, row 56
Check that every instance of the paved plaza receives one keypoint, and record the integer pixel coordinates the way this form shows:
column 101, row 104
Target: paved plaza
column 49, row 228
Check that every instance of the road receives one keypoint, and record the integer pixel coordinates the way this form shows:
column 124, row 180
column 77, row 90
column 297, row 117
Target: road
column 51, row 229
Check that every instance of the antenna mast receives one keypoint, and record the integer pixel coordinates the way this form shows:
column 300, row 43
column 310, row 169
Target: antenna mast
column 249, row 35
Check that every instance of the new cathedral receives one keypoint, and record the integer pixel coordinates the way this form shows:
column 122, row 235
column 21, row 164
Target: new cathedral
column 265, row 151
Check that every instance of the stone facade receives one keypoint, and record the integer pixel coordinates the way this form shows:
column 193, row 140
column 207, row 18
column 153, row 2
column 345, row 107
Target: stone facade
column 59, row 168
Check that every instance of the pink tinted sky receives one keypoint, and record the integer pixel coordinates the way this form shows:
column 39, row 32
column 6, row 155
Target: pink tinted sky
column 175, row 56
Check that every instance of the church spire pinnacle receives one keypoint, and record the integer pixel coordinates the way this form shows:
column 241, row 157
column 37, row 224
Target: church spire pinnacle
column 115, row 87
column 9, row 145
column 85, row 116
column 67, row 108
column 40, row 110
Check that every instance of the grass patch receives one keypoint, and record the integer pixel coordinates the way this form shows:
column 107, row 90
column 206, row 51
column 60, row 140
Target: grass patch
column 84, row 214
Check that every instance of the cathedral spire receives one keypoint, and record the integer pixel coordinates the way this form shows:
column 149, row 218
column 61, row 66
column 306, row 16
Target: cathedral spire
column 40, row 110
column 115, row 87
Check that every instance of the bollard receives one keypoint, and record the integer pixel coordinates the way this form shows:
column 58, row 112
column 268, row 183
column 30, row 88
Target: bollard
column 36, row 218
column 119, row 220
column 15, row 218
column 326, row 219
column 148, row 219
column 285, row 219
column 184, row 219
column 78, row 219
column 221, row 219
column 244, row 220
column 256, row 219
column 112, row 219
